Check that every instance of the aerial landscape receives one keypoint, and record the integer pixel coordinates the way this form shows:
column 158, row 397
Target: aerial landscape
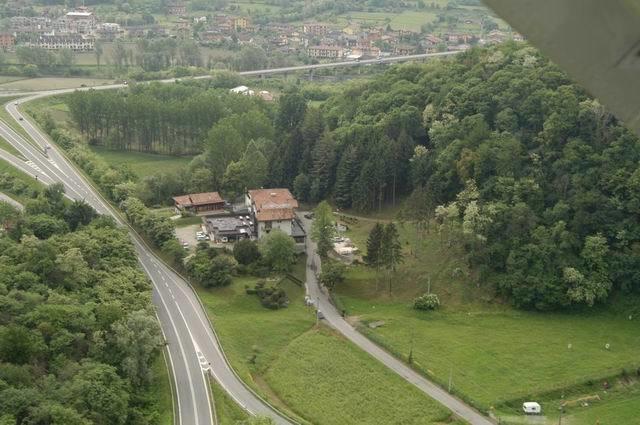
column 335, row 212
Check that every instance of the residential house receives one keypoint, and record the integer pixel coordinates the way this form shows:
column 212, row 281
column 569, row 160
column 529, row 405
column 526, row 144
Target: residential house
column 324, row 52
column 315, row 29
column 176, row 8
column 80, row 21
column 404, row 49
column 198, row 203
column 275, row 209
column 241, row 23
column 74, row 42
column 7, row 41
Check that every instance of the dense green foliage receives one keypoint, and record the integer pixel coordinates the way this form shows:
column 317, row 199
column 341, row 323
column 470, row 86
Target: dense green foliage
column 78, row 336
column 510, row 158
column 278, row 250
column 164, row 118
column 211, row 268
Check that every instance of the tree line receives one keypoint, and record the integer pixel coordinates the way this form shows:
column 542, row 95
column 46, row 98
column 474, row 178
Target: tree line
column 161, row 118
column 78, row 335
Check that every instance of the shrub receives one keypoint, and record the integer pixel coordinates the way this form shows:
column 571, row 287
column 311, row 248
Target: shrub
column 426, row 302
column 246, row 251
column 271, row 296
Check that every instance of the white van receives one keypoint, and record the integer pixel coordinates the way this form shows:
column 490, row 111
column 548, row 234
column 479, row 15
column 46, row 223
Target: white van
column 531, row 408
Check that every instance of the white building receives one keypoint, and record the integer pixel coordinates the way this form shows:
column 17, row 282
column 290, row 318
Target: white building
column 73, row 42
column 274, row 209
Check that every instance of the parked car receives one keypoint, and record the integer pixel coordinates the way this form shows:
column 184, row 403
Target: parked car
column 309, row 216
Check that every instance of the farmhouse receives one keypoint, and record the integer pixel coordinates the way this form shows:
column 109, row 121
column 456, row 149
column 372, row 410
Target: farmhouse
column 199, row 203
column 274, row 209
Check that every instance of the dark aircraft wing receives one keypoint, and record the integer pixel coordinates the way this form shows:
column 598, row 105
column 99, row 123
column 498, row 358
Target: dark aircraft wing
column 596, row 41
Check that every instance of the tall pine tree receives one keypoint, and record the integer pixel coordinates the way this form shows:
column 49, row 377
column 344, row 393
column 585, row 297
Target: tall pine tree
column 374, row 245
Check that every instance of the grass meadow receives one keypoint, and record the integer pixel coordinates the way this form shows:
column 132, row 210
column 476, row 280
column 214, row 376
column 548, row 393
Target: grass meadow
column 143, row 164
column 161, row 392
column 495, row 355
column 310, row 372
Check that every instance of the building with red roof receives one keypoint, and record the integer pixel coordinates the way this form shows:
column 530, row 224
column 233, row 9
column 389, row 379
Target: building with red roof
column 199, row 203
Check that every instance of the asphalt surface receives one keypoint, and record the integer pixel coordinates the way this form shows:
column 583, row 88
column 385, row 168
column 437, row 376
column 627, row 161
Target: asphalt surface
column 193, row 347
column 334, row 318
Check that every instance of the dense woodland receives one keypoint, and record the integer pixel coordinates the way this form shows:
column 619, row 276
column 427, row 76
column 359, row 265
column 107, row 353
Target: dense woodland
column 498, row 147
column 78, row 334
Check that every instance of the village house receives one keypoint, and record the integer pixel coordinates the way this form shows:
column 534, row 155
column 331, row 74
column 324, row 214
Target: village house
column 404, row 49
column 74, row 42
column 241, row 24
column 176, row 9
column 197, row 203
column 7, row 41
column 275, row 209
column 315, row 29
column 80, row 21
column 28, row 24
column 324, row 52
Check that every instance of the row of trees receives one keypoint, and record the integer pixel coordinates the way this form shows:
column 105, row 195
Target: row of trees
column 78, row 335
column 162, row 118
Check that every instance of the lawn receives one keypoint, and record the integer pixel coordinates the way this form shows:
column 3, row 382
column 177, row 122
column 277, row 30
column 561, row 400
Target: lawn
column 493, row 353
column 29, row 181
column 143, row 164
column 161, row 392
column 51, row 83
column 307, row 371
column 409, row 20
column 333, row 382
column 227, row 410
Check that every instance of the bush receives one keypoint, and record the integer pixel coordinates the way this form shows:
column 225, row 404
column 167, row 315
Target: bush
column 271, row 296
column 246, row 251
column 426, row 302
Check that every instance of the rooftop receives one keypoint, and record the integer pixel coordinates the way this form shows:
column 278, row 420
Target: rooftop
column 272, row 199
column 196, row 199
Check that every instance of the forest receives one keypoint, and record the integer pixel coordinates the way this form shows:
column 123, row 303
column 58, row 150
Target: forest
column 78, row 335
column 498, row 148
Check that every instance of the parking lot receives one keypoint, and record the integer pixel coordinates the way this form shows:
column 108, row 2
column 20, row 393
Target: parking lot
column 188, row 234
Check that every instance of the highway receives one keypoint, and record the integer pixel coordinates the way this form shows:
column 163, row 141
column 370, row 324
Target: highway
column 194, row 349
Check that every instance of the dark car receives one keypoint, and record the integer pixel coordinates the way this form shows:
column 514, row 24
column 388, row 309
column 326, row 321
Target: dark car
column 308, row 216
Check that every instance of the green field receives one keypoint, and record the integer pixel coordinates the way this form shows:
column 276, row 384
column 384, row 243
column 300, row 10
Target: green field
column 5, row 167
column 52, row 83
column 407, row 20
column 161, row 392
column 228, row 412
column 142, row 164
column 492, row 352
column 306, row 370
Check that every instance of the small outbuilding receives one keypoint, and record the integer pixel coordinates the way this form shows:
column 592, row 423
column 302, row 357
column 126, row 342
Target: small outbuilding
column 531, row 408
column 197, row 203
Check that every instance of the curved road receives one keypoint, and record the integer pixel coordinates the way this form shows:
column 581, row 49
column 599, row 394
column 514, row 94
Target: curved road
column 194, row 349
